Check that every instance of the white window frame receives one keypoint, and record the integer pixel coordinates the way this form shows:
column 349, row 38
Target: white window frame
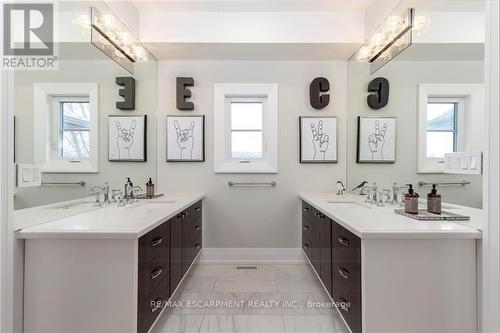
column 224, row 94
column 468, row 97
column 47, row 125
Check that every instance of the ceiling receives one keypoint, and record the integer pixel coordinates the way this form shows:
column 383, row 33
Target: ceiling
column 253, row 5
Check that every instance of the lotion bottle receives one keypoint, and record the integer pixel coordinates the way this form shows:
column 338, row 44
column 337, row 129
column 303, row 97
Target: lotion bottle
column 434, row 201
column 150, row 189
column 411, row 201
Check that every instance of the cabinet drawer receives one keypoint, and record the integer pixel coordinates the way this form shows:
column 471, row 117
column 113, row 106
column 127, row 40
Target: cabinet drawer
column 153, row 244
column 152, row 306
column 189, row 253
column 191, row 230
column 307, row 210
column 346, row 277
column 194, row 211
column 307, row 227
column 346, row 247
column 349, row 306
column 306, row 246
column 152, row 274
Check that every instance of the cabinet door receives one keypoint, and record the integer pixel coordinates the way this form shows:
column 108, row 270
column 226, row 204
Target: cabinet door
column 326, row 252
column 175, row 252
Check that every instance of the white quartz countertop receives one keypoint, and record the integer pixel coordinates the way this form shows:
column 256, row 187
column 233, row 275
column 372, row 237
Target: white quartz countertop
column 368, row 221
column 112, row 221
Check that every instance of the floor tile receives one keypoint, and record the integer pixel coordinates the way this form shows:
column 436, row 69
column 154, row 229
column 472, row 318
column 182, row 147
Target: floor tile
column 245, row 284
column 258, row 324
column 284, row 271
column 176, row 323
column 209, row 303
column 198, row 284
column 216, row 270
column 291, row 285
column 311, row 324
column 217, row 324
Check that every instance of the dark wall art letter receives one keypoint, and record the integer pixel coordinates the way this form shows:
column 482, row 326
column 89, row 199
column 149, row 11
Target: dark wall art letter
column 318, row 86
column 183, row 93
column 379, row 93
column 128, row 93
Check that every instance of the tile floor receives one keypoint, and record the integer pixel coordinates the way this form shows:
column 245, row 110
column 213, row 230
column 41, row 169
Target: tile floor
column 275, row 298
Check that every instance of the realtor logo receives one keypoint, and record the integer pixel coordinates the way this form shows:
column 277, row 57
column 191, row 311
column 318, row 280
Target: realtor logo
column 28, row 36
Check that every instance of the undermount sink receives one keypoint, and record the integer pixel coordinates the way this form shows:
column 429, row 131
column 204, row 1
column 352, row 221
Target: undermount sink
column 350, row 204
column 71, row 205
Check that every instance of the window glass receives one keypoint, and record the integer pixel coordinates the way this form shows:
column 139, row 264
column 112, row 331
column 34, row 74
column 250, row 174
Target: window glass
column 441, row 128
column 75, row 130
column 246, row 130
column 246, row 116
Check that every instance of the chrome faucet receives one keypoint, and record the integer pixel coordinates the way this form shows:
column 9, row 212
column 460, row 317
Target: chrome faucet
column 105, row 192
column 97, row 191
column 395, row 192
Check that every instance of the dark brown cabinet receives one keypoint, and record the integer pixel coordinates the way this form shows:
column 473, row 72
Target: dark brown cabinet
column 335, row 254
column 165, row 255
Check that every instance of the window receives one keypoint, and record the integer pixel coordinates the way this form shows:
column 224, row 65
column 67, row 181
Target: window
column 448, row 121
column 74, row 128
column 442, row 123
column 246, row 128
column 66, row 127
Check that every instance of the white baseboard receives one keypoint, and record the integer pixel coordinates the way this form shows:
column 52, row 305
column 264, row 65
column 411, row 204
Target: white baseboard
column 252, row 256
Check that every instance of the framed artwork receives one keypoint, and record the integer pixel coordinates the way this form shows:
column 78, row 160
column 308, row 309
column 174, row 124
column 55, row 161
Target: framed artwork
column 186, row 138
column 127, row 138
column 376, row 140
column 318, row 139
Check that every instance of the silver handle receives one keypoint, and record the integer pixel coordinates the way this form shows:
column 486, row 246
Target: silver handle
column 344, row 273
column 306, row 209
column 306, row 227
column 307, row 246
column 344, row 241
column 460, row 183
column 252, row 184
column 156, row 272
column 156, row 241
column 197, row 209
column 197, row 228
column 197, row 247
column 344, row 304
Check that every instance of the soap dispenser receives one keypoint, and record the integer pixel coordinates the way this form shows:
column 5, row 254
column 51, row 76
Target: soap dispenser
column 411, row 201
column 127, row 187
column 434, row 201
column 150, row 189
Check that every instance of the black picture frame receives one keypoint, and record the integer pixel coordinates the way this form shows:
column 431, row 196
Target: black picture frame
column 202, row 152
column 359, row 159
column 145, row 135
column 302, row 160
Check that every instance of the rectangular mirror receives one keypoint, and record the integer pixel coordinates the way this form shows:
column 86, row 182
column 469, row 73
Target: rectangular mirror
column 436, row 96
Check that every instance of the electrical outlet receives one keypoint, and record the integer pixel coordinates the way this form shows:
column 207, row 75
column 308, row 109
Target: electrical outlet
column 464, row 163
column 28, row 175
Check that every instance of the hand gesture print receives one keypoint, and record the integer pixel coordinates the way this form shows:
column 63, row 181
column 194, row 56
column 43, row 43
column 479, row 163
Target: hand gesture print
column 376, row 141
column 125, row 139
column 320, row 141
column 185, row 139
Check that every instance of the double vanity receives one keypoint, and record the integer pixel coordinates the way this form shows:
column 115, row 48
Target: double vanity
column 390, row 273
column 110, row 269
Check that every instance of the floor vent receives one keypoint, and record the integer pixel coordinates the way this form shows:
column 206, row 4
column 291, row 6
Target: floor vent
column 251, row 267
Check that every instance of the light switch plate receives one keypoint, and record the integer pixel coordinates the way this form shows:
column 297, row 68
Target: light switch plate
column 28, row 175
column 470, row 163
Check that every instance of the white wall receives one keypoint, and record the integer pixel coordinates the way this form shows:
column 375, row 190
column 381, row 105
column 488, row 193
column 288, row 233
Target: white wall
column 404, row 77
column 102, row 72
column 252, row 217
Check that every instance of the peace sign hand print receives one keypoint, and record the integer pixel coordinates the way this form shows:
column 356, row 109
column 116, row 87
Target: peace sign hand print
column 185, row 140
column 320, row 141
column 376, row 141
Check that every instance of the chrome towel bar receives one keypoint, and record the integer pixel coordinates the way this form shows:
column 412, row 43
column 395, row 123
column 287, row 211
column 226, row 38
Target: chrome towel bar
column 461, row 183
column 80, row 183
column 252, row 184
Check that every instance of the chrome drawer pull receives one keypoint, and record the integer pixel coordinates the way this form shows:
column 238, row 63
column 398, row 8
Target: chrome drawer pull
column 156, row 272
column 344, row 273
column 197, row 246
column 307, row 246
column 306, row 227
column 197, row 209
column 197, row 228
column 306, row 209
column 344, row 241
column 156, row 307
column 157, row 241
column 344, row 304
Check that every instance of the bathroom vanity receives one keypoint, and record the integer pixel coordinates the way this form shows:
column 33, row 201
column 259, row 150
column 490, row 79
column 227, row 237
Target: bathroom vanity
column 110, row 269
column 390, row 273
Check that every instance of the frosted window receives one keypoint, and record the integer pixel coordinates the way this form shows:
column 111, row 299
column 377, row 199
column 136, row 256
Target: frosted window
column 75, row 130
column 246, row 130
column 441, row 128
